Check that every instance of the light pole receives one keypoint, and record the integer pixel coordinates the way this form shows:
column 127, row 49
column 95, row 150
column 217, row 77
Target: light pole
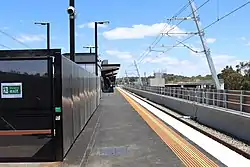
column 96, row 47
column 48, row 32
column 89, row 47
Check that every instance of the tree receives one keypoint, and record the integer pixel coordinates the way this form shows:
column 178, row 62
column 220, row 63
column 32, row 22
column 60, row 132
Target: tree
column 244, row 68
column 232, row 79
column 246, row 84
column 237, row 79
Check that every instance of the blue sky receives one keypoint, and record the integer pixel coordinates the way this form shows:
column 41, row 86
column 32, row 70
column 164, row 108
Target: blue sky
column 133, row 27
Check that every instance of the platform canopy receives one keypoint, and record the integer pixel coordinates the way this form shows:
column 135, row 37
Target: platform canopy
column 109, row 71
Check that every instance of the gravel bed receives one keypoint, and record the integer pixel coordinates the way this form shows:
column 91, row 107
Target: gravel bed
column 228, row 139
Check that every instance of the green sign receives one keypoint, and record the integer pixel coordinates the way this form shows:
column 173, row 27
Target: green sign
column 58, row 109
column 11, row 90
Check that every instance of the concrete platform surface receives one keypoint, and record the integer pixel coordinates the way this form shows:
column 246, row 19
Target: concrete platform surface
column 117, row 136
column 123, row 138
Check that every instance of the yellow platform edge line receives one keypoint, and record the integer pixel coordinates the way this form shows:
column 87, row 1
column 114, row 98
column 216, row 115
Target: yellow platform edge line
column 185, row 151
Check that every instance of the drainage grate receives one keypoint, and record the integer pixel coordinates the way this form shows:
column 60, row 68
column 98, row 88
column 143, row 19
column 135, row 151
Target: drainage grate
column 113, row 151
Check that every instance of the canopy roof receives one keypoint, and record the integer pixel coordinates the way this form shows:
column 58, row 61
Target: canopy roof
column 109, row 71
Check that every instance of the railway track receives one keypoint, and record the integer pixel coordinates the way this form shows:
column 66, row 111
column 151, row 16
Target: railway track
column 239, row 151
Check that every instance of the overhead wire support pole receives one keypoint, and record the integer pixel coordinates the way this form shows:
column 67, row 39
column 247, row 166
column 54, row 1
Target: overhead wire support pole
column 127, row 77
column 204, row 44
column 123, row 80
column 138, row 73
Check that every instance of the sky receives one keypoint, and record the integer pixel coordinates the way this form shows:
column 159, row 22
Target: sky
column 134, row 25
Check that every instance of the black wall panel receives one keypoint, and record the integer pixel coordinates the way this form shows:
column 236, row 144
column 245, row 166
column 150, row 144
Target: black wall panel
column 79, row 94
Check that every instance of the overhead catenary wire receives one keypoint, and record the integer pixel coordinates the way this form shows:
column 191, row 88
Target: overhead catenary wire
column 4, row 46
column 182, row 22
column 15, row 39
column 218, row 9
column 159, row 36
column 214, row 22
column 228, row 14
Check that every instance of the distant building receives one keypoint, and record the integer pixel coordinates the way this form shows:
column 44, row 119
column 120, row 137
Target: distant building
column 202, row 84
column 158, row 80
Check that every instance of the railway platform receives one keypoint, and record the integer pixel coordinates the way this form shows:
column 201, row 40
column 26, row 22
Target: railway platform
column 123, row 132
column 126, row 134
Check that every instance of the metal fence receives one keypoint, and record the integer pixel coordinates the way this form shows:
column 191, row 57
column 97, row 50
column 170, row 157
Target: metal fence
column 46, row 100
column 231, row 99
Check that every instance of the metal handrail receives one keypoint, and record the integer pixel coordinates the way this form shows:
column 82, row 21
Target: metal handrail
column 230, row 99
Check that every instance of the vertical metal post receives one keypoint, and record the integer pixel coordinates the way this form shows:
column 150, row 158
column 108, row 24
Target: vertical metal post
column 203, row 96
column 96, row 50
column 138, row 73
column 204, row 44
column 225, row 98
column 127, row 76
column 213, row 97
column 72, row 32
column 48, row 36
column 241, row 100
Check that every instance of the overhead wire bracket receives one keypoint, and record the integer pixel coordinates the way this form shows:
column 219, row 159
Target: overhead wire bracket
column 150, row 49
column 181, row 18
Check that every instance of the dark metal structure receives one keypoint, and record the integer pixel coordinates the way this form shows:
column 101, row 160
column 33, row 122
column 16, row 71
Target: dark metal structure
column 56, row 99
column 109, row 76
column 83, row 58
column 96, row 43
column 96, row 48
column 72, row 32
column 48, row 32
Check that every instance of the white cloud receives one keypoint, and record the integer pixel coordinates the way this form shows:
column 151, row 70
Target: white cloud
column 162, row 59
column 118, row 54
column 92, row 25
column 31, row 38
column 141, row 31
column 79, row 34
column 211, row 40
column 81, row 26
column 247, row 43
column 193, row 66
column 243, row 38
column 5, row 28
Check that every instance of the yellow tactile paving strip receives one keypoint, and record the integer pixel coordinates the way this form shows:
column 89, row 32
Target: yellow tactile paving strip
column 187, row 153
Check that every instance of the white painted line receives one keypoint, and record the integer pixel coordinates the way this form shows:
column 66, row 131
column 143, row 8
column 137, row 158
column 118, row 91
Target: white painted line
column 219, row 151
